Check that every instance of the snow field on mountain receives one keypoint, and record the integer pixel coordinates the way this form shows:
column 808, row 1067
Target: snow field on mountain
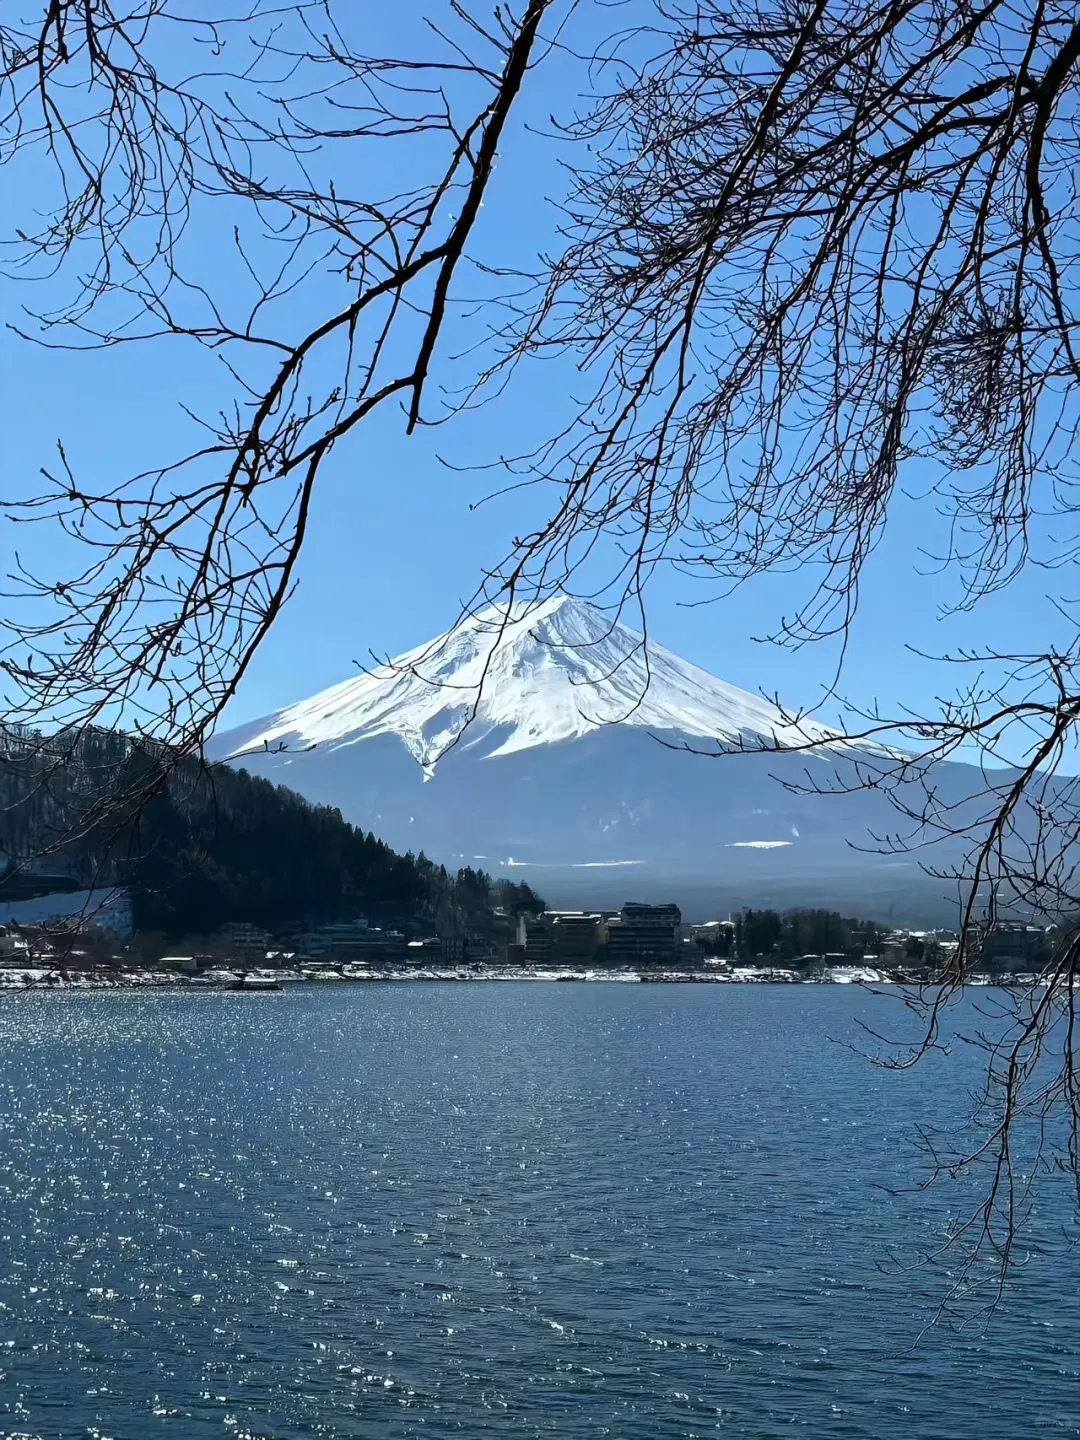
column 540, row 675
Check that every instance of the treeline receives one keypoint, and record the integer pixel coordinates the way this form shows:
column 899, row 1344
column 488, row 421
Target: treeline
column 212, row 845
column 792, row 934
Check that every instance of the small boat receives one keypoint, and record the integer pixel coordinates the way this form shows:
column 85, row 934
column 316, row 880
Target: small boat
column 261, row 983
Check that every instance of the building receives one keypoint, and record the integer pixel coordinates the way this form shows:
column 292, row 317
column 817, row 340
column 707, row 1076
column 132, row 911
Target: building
column 1015, row 947
column 535, row 936
column 188, row 963
column 352, row 940
column 106, row 909
column 563, row 937
column 278, row 958
column 14, row 947
column 428, row 951
column 468, row 950
column 714, row 937
column 643, row 935
column 634, row 935
column 711, row 929
column 576, row 937
column 245, row 943
column 452, row 948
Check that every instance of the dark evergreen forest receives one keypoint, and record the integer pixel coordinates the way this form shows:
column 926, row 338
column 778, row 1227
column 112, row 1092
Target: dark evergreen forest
column 209, row 845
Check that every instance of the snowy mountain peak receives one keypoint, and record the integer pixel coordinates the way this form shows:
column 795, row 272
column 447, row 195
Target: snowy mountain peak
column 511, row 679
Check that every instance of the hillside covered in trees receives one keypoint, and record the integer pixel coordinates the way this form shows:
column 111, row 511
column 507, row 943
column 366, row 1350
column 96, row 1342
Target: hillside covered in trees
column 210, row 845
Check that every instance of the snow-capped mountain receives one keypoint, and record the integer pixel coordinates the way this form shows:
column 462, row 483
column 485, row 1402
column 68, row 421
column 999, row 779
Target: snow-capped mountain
column 551, row 742
column 541, row 675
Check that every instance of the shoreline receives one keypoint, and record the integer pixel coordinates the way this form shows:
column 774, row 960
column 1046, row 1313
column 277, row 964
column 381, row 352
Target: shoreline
column 23, row 980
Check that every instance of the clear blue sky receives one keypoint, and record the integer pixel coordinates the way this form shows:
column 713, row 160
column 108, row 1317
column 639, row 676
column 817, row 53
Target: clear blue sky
column 393, row 547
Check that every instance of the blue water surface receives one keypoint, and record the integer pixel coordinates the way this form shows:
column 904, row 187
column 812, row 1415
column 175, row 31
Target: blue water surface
column 497, row 1209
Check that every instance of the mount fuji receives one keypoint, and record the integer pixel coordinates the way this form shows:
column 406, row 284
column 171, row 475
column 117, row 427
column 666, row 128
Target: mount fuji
column 550, row 743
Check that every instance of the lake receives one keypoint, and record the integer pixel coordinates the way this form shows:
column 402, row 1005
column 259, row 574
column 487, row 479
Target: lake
column 480, row 1209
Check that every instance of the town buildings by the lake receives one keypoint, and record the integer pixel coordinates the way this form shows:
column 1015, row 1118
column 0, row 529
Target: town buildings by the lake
column 638, row 940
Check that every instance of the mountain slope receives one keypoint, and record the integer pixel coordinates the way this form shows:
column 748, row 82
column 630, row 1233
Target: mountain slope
column 553, row 740
column 206, row 849
column 540, row 676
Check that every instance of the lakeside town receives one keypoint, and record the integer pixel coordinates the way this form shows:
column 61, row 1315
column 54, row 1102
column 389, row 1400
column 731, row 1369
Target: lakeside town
column 639, row 942
column 234, row 883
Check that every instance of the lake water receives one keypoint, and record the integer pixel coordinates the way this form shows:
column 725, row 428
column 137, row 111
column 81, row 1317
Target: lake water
column 521, row 1210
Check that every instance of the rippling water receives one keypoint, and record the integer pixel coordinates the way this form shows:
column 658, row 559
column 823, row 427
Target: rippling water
column 628, row 1211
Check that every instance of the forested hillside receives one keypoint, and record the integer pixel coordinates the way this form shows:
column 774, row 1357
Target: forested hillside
column 213, row 845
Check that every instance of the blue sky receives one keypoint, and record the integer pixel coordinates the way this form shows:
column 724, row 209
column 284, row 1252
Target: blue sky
column 394, row 546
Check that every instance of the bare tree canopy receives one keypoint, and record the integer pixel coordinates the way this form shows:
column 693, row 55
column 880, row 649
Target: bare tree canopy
column 813, row 242
column 807, row 244
column 175, row 143
column 804, row 244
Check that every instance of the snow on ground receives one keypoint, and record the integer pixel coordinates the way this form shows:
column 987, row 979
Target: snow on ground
column 109, row 908
column 855, row 975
